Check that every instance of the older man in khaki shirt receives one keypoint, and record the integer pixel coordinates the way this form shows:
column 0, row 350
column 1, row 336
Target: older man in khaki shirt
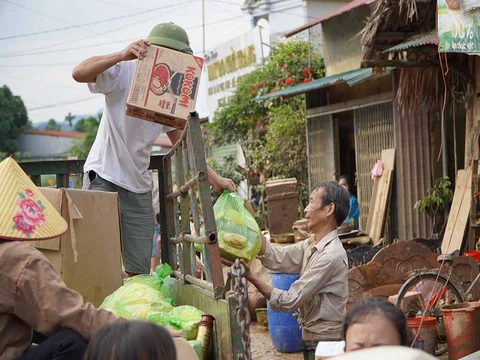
column 321, row 293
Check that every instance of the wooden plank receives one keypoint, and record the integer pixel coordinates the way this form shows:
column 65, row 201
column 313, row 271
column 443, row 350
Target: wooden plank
column 381, row 197
column 350, row 105
column 368, row 229
column 396, row 63
column 459, row 212
column 473, row 208
column 381, row 203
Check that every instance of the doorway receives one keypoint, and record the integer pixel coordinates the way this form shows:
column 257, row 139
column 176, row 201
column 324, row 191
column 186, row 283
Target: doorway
column 347, row 164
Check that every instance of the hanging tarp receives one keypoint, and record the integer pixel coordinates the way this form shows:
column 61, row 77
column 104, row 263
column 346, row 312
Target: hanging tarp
column 458, row 30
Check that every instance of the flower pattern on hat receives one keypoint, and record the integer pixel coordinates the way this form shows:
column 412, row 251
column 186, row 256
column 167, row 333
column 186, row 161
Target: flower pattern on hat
column 29, row 215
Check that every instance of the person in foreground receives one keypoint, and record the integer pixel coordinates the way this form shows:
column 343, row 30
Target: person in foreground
column 321, row 293
column 387, row 352
column 120, row 156
column 139, row 340
column 32, row 294
column 374, row 322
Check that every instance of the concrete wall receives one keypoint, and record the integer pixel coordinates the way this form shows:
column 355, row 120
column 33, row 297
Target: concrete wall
column 285, row 15
column 341, row 44
column 45, row 146
column 320, row 8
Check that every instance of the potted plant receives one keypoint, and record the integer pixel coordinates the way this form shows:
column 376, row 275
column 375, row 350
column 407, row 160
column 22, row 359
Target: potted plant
column 437, row 202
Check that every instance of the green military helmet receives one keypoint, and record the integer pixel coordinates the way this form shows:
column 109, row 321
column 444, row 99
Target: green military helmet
column 170, row 36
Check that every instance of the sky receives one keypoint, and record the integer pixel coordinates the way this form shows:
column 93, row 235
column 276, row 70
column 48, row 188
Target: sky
column 41, row 41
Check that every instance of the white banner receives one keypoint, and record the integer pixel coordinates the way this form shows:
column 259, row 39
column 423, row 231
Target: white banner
column 228, row 62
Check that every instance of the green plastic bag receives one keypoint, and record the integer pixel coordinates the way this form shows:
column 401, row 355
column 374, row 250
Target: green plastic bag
column 136, row 301
column 186, row 318
column 168, row 287
column 150, row 280
column 239, row 235
column 161, row 281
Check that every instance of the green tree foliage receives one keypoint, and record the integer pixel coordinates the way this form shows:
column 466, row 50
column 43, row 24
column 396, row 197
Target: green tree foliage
column 225, row 169
column 69, row 119
column 52, row 125
column 271, row 132
column 80, row 126
column 13, row 119
column 438, row 200
column 82, row 147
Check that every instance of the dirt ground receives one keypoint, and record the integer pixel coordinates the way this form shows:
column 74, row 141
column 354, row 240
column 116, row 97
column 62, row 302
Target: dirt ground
column 262, row 348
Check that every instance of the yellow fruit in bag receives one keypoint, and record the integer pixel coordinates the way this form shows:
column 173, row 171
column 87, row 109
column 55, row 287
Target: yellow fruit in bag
column 234, row 240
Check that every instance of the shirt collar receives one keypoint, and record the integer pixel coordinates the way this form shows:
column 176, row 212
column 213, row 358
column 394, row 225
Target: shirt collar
column 325, row 240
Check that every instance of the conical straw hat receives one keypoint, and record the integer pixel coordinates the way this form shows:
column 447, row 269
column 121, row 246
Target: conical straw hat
column 25, row 214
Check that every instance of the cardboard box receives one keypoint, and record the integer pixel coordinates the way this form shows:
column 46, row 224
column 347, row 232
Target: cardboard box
column 88, row 255
column 165, row 86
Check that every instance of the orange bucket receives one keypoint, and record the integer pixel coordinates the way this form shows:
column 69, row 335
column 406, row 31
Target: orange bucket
column 462, row 323
column 428, row 331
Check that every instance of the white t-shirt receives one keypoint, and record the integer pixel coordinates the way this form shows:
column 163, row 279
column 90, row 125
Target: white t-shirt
column 122, row 148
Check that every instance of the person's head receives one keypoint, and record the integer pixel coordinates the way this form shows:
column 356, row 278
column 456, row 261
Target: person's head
column 374, row 322
column 328, row 205
column 127, row 340
column 171, row 36
column 343, row 180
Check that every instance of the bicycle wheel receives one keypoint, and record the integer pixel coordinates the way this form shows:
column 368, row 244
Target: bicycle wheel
column 424, row 290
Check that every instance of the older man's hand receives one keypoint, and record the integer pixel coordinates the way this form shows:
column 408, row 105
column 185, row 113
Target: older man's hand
column 248, row 270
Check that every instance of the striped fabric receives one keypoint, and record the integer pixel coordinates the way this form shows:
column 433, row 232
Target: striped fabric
column 25, row 214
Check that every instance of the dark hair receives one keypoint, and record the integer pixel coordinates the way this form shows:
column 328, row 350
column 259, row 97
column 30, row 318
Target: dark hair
column 337, row 194
column 358, row 313
column 344, row 177
column 127, row 340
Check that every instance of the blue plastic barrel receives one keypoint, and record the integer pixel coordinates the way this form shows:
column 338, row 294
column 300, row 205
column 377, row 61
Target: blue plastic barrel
column 283, row 327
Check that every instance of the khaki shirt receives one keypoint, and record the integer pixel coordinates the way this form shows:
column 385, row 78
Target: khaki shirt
column 33, row 296
column 321, row 293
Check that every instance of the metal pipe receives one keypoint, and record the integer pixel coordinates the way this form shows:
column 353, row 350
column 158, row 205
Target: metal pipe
column 185, row 188
column 194, row 281
column 444, row 148
column 206, row 239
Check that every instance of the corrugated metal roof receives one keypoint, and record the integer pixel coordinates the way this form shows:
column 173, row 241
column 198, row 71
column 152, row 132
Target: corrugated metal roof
column 341, row 10
column 430, row 38
column 352, row 78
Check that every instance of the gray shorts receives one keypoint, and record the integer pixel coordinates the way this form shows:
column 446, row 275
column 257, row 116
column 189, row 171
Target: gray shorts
column 138, row 224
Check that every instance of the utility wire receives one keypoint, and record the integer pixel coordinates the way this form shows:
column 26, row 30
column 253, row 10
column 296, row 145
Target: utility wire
column 38, row 81
column 284, row 11
column 25, row 53
column 89, row 23
column 36, row 65
column 29, row 52
column 68, row 102
column 47, row 16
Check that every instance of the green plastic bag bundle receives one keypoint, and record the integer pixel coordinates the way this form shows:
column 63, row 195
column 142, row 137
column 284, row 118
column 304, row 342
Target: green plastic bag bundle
column 238, row 233
column 185, row 318
column 157, row 281
column 136, row 301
